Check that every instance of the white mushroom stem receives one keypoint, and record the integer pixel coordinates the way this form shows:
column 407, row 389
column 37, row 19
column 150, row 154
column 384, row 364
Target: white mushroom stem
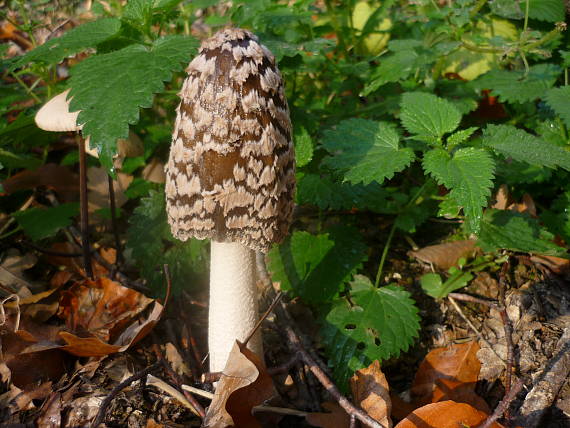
column 233, row 301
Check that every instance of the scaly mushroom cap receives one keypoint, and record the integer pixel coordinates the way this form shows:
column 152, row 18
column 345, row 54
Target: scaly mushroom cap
column 231, row 174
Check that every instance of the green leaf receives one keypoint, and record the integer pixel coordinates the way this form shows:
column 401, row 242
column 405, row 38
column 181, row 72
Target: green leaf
column 109, row 89
column 316, row 267
column 559, row 100
column 524, row 147
column 433, row 286
column 546, row 10
column 376, row 325
column 468, row 174
column 40, row 223
column 303, row 147
column 393, row 68
column 510, row 9
column 326, row 194
column 138, row 10
column 518, row 87
column 428, row 116
column 75, row 40
column 514, row 231
column 365, row 151
column 152, row 245
column 460, row 136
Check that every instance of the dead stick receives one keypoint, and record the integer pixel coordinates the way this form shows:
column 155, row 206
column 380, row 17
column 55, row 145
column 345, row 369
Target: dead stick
column 507, row 327
column 468, row 298
column 84, row 209
column 503, row 405
column 107, row 401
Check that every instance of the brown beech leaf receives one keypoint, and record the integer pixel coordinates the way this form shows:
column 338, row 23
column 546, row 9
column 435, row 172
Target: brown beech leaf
column 457, row 363
column 445, row 414
column 371, row 392
column 53, row 176
column 50, row 413
column 444, row 256
column 337, row 418
column 244, row 384
column 97, row 307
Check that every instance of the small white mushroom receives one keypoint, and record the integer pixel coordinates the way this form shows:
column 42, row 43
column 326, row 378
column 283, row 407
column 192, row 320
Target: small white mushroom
column 230, row 176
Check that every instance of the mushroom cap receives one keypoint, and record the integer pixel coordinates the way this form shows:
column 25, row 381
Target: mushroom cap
column 231, row 173
column 55, row 116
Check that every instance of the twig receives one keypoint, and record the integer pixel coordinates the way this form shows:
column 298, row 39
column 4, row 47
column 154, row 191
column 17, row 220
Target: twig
column 263, row 317
column 468, row 298
column 548, row 384
column 84, row 209
column 503, row 405
column 107, row 401
column 507, row 327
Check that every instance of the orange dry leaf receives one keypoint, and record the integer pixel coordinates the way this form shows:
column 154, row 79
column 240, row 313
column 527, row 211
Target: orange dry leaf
column 444, row 256
column 447, row 373
column 445, row 414
column 244, row 384
column 371, row 392
column 337, row 418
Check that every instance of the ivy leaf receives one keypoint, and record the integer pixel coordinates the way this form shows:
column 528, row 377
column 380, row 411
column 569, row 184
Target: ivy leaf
column 428, row 116
column 518, row 87
column 151, row 250
column 468, row 174
column 558, row 99
column 303, row 147
column 365, row 151
column 524, row 147
column 546, row 10
column 378, row 324
column 316, row 267
column 75, row 40
column 109, row 89
column 516, row 232
column 40, row 223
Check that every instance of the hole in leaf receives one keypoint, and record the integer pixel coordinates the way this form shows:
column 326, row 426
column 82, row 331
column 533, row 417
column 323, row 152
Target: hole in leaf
column 377, row 341
column 350, row 326
column 361, row 346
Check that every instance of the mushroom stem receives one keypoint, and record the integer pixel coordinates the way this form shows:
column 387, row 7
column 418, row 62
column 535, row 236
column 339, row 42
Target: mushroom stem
column 233, row 301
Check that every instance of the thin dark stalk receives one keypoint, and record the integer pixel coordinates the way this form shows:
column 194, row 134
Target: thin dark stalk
column 84, row 209
column 114, row 225
column 503, row 405
column 507, row 326
column 263, row 317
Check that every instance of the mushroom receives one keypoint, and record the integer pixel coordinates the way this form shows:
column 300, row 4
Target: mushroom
column 55, row 116
column 230, row 175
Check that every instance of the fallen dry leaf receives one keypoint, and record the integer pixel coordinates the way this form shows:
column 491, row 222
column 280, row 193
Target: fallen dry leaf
column 98, row 186
column 337, row 418
column 445, row 414
column 50, row 413
column 244, row 384
column 53, row 176
column 444, row 256
column 456, row 363
column 12, row 271
column 371, row 392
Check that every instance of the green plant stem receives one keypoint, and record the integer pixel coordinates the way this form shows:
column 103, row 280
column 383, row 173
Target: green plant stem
column 478, row 6
column 7, row 234
column 384, row 254
column 545, row 39
column 26, row 88
column 479, row 49
column 526, row 9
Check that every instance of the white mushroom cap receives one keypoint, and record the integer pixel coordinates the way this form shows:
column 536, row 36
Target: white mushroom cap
column 55, row 115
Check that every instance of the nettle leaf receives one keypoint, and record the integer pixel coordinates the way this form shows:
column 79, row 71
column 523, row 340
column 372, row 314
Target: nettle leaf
column 460, row 136
column 524, row 147
column 75, row 40
column 378, row 324
column 152, row 245
column 468, row 174
column 365, row 151
column 428, row 116
column 109, row 89
column 517, row 86
column 138, row 10
column 393, row 68
column 321, row 191
column 316, row 267
column 546, row 10
column 514, row 231
column 40, row 223
column 559, row 100
column 303, row 147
